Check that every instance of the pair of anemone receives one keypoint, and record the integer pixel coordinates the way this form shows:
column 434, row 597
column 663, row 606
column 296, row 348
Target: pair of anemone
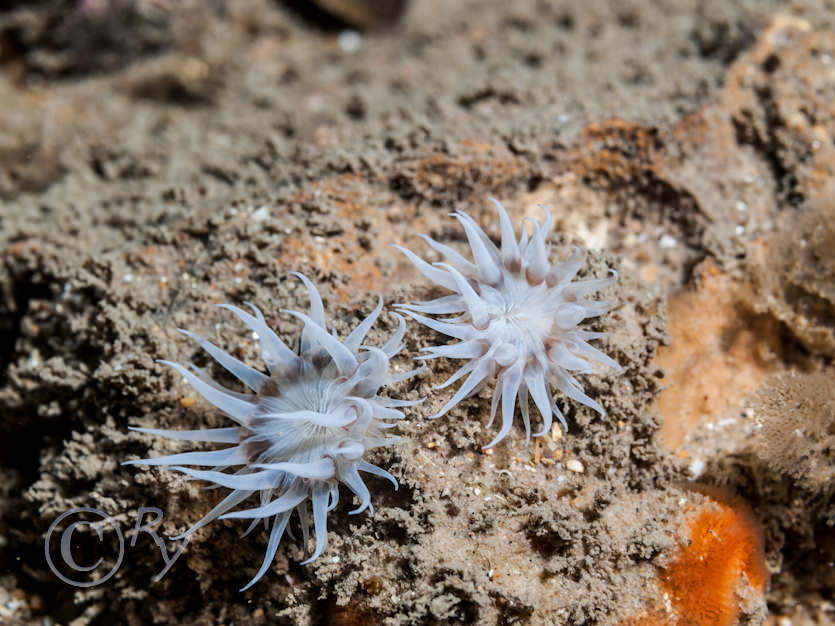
column 304, row 428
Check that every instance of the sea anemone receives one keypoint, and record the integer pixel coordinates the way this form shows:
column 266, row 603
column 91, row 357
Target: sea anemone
column 517, row 318
column 303, row 430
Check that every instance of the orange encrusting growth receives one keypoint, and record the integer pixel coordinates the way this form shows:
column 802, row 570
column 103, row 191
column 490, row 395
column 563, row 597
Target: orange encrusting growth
column 716, row 337
column 701, row 583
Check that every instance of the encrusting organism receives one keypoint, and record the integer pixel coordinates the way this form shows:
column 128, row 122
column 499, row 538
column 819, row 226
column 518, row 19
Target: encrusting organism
column 725, row 545
column 303, row 430
column 517, row 316
column 722, row 556
column 795, row 435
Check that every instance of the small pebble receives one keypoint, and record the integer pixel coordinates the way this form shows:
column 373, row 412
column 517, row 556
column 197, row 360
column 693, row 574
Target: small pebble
column 573, row 465
column 261, row 213
column 349, row 41
column 667, row 241
column 373, row 584
column 696, row 468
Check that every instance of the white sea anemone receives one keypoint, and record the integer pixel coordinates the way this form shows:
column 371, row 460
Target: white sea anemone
column 517, row 318
column 303, row 430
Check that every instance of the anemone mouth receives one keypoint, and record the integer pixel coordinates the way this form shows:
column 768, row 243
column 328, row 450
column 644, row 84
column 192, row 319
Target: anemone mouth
column 523, row 327
column 252, row 449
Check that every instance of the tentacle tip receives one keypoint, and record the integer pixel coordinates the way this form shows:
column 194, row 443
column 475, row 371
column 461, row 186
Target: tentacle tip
column 359, row 509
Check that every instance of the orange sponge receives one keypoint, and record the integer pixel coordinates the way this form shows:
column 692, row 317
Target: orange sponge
column 701, row 582
column 725, row 543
